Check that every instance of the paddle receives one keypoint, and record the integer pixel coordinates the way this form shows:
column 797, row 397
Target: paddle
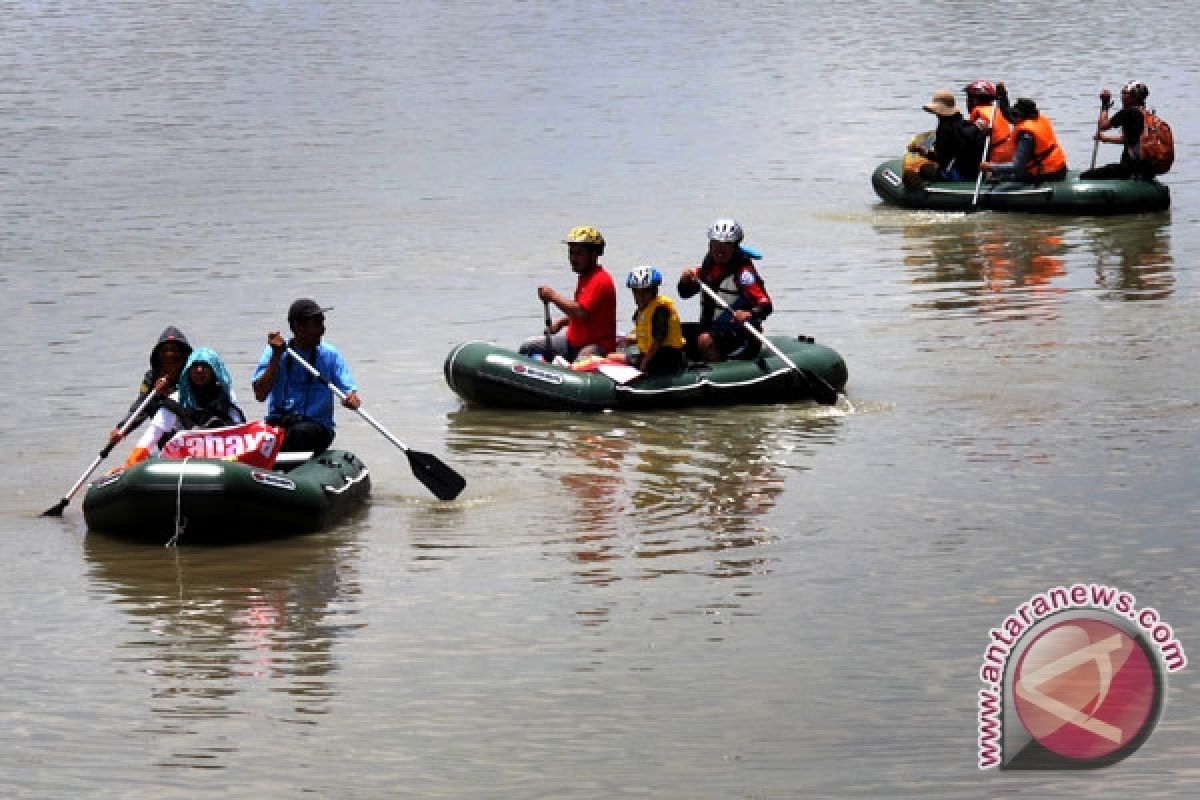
column 440, row 479
column 822, row 392
column 987, row 142
column 549, row 354
column 1105, row 104
column 57, row 509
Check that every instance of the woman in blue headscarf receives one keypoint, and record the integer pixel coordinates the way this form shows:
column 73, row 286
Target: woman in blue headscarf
column 205, row 400
column 206, row 392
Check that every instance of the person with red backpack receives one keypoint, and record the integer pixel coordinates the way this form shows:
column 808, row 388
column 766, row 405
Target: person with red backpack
column 1131, row 121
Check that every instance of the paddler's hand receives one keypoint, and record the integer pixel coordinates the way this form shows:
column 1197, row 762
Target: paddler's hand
column 742, row 316
column 352, row 402
column 164, row 385
column 689, row 276
column 276, row 342
column 983, row 125
column 114, row 436
column 1105, row 100
column 547, row 295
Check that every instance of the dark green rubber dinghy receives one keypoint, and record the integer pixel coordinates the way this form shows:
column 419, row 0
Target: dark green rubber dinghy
column 486, row 375
column 1068, row 196
column 210, row 500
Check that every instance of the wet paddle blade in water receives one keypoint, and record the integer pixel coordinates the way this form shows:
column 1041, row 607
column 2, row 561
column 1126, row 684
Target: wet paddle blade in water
column 57, row 509
column 444, row 482
column 822, row 392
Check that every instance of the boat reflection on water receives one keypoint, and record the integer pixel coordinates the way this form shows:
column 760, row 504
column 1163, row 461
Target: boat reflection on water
column 1133, row 257
column 987, row 265
column 211, row 624
column 1007, row 267
column 655, row 494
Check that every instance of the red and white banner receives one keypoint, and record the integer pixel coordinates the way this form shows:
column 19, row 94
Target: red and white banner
column 254, row 443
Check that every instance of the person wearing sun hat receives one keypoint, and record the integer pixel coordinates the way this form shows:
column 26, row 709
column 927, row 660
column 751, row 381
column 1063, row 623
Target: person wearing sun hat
column 296, row 401
column 957, row 146
column 1038, row 157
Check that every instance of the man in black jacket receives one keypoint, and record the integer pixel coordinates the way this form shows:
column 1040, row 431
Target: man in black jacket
column 958, row 144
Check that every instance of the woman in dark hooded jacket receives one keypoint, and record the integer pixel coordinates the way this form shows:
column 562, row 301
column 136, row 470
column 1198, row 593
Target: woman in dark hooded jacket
column 166, row 361
column 205, row 400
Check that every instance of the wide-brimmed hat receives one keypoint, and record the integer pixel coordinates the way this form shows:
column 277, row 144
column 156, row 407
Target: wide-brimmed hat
column 1024, row 107
column 942, row 104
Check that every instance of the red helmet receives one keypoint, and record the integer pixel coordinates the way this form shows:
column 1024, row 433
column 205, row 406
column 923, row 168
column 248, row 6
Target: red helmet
column 981, row 89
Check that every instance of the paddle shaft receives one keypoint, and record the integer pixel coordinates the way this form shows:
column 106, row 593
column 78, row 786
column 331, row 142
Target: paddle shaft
column 771, row 346
column 549, row 345
column 716, row 298
column 126, row 426
column 342, row 396
column 808, row 375
column 444, row 482
column 1096, row 143
column 979, row 178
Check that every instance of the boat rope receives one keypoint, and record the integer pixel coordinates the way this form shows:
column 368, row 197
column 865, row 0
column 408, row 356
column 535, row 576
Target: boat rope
column 180, row 520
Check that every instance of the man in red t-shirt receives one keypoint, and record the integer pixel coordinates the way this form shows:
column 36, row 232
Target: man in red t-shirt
column 591, row 314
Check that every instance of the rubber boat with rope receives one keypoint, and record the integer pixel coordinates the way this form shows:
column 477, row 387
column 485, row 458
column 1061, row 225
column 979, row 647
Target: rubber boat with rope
column 1068, row 196
column 485, row 374
column 195, row 500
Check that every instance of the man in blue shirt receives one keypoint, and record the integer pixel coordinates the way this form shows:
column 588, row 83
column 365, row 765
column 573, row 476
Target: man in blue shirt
column 296, row 401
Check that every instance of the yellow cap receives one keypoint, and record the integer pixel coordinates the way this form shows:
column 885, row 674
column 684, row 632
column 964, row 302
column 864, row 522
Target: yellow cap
column 584, row 234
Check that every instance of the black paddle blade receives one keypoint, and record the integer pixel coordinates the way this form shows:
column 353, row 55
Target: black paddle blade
column 440, row 479
column 822, row 392
column 56, row 510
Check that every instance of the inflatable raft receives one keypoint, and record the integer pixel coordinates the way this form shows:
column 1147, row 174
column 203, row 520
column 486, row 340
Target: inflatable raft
column 1068, row 196
column 221, row 500
column 486, row 375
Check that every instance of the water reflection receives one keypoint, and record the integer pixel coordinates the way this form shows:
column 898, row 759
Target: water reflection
column 1007, row 267
column 988, row 265
column 214, row 627
column 655, row 494
column 1133, row 257
column 595, row 482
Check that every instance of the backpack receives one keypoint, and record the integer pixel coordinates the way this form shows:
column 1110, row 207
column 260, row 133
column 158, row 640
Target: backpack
column 916, row 168
column 1157, row 145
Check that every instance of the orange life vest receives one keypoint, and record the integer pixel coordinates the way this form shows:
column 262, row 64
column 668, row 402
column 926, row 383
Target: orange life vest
column 1048, row 155
column 1004, row 143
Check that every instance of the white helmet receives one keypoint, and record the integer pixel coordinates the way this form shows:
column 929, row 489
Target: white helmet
column 643, row 278
column 1137, row 89
column 725, row 230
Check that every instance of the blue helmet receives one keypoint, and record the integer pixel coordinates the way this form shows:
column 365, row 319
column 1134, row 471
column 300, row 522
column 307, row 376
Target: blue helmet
column 643, row 278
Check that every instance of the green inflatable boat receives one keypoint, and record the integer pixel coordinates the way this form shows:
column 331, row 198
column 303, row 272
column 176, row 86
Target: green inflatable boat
column 1068, row 196
column 213, row 500
column 483, row 374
